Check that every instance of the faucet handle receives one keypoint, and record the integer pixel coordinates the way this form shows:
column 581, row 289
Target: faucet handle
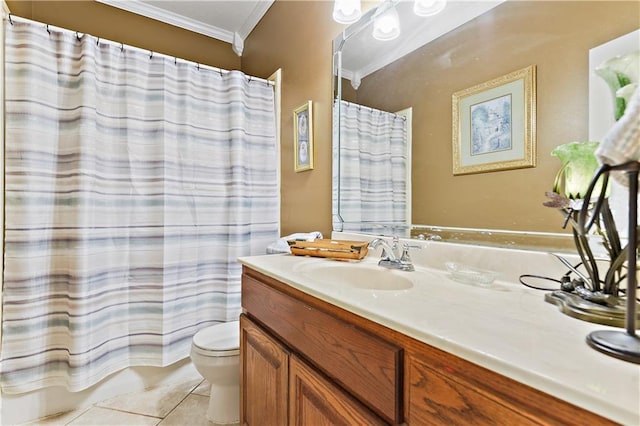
column 405, row 251
column 407, row 246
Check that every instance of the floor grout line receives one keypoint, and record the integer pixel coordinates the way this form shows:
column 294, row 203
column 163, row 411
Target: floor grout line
column 182, row 400
column 95, row 405
column 132, row 412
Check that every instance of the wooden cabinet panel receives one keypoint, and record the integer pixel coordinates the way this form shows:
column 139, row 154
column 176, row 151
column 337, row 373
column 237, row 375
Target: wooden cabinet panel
column 443, row 389
column 264, row 377
column 316, row 401
column 366, row 366
column 435, row 399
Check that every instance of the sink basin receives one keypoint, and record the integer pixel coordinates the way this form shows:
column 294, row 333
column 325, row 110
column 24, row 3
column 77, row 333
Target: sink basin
column 367, row 276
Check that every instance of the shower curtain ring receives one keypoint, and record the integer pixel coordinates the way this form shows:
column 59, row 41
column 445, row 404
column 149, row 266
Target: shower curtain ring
column 10, row 20
column 77, row 36
column 98, row 41
column 48, row 29
column 150, row 54
column 121, row 46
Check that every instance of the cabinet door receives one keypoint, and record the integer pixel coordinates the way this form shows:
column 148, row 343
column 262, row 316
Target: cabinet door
column 316, row 401
column 264, row 371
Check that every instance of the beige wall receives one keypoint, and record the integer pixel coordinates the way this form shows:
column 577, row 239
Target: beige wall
column 88, row 16
column 554, row 36
column 297, row 36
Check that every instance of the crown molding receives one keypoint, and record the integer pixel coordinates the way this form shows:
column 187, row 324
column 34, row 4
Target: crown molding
column 254, row 17
column 162, row 15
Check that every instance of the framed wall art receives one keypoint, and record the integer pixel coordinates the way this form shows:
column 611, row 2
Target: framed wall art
column 303, row 137
column 494, row 124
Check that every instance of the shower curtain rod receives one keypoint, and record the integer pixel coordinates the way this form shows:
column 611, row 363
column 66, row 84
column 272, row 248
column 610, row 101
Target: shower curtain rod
column 13, row 18
column 402, row 117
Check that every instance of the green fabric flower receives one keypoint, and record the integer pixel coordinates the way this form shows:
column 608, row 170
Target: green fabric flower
column 579, row 165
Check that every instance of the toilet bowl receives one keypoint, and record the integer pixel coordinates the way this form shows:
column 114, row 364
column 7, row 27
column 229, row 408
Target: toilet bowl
column 215, row 352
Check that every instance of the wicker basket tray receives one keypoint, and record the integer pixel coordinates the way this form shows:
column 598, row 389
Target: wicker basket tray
column 336, row 249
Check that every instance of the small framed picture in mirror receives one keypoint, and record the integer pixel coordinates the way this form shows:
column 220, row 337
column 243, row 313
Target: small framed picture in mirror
column 303, row 137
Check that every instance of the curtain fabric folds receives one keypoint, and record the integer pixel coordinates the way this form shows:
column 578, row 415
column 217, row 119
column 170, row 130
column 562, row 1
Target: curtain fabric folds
column 373, row 170
column 133, row 183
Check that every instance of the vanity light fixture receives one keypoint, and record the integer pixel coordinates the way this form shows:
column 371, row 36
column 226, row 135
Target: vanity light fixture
column 386, row 22
column 428, row 7
column 346, row 11
column 386, row 26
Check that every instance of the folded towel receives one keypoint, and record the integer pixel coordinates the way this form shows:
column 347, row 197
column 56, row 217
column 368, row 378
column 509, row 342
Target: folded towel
column 281, row 245
column 621, row 144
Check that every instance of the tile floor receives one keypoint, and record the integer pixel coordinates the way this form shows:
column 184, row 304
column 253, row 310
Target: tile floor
column 175, row 404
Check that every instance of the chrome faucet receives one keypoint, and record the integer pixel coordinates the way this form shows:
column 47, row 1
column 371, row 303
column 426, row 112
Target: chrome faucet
column 390, row 258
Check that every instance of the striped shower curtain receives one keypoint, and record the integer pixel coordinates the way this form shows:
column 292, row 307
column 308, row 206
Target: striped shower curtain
column 373, row 170
column 133, row 183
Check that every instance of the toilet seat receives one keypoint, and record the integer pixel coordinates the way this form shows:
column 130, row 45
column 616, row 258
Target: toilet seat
column 219, row 340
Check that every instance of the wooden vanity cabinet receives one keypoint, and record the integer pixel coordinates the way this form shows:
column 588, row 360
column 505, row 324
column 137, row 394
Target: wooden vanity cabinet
column 279, row 388
column 307, row 362
column 327, row 359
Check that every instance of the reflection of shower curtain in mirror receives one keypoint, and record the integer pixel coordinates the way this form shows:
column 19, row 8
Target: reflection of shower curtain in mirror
column 373, row 169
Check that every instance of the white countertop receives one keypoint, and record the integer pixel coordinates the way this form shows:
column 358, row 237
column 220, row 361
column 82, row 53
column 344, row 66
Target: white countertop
column 510, row 330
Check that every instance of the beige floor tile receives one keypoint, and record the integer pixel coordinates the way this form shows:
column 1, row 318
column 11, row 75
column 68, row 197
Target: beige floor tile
column 59, row 419
column 156, row 402
column 203, row 389
column 103, row 416
column 192, row 412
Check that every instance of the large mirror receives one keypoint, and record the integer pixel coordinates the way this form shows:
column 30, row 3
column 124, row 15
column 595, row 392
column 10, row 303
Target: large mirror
column 403, row 90
column 373, row 135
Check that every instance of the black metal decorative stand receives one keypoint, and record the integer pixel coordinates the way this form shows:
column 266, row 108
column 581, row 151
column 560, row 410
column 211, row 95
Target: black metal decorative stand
column 625, row 344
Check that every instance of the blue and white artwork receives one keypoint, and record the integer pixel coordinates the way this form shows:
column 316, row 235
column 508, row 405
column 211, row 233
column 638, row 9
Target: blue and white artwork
column 491, row 126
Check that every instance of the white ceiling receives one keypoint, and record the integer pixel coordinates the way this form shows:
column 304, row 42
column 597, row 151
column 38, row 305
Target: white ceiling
column 363, row 55
column 227, row 20
column 233, row 20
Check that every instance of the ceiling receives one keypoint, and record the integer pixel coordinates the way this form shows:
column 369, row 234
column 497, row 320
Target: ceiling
column 227, row 20
column 233, row 20
column 363, row 55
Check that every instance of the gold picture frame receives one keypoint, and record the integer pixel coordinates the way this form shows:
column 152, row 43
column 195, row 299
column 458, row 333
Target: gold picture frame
column 303, row 137
column 494, row 124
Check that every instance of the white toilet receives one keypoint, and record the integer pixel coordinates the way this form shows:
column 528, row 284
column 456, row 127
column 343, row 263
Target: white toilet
column 215, row 352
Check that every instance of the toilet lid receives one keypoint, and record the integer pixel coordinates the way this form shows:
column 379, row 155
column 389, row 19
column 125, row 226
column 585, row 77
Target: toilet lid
column 219, row 337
